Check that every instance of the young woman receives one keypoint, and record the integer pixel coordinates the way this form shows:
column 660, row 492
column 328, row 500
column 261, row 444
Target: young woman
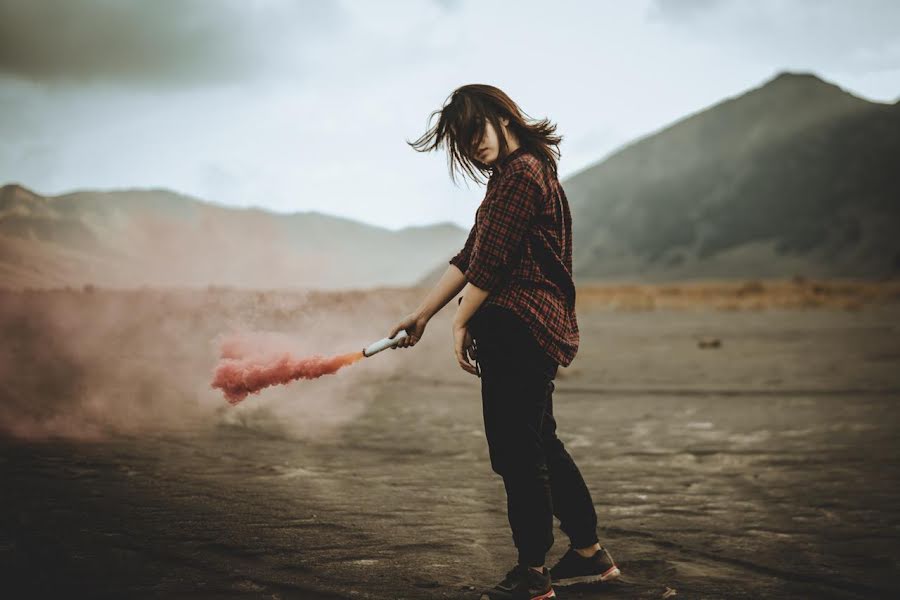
column 516, row 321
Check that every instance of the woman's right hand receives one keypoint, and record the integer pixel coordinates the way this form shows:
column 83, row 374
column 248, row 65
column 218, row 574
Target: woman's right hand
column 414, row 325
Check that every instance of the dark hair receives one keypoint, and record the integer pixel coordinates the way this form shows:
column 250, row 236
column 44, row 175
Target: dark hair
column 461, row 126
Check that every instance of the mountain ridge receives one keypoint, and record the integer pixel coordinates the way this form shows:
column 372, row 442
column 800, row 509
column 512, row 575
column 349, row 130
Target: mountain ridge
column 793, row 176
column 780, row 78
column 162, row 237
column 664, row 206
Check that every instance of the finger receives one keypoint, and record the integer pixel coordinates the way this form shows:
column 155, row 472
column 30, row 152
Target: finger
column 467, row 367
column 459, row 357
column 462, row 361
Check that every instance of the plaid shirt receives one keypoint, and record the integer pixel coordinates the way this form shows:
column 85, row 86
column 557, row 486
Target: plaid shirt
column 516, row 253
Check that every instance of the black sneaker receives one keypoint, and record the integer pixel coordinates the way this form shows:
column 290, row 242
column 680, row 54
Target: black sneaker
column 522, row 583
column 574, row 568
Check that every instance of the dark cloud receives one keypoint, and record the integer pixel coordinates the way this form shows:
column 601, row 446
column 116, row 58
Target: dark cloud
column 167, row 42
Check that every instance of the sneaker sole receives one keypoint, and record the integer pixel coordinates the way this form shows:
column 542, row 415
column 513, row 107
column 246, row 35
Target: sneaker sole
column 547, row 596
column 607, row 575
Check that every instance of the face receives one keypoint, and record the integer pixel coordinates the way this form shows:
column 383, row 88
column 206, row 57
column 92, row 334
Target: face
column 488, row 148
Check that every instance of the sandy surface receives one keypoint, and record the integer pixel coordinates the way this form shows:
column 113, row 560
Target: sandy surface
column 764, row 468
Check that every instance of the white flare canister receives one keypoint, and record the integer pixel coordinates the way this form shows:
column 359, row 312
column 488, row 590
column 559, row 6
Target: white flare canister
column 384, row 343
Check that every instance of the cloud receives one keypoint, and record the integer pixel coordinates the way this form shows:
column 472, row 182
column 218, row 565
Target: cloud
column 449, row 5
column 681, row 10
column 155, row 43
column 318, row 105
column 855, row 37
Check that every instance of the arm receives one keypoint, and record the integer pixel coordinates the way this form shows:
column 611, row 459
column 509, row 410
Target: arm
column 473, row 297
column 451, row 282
column 506, row 218
column 449, row 285
column 489, row 248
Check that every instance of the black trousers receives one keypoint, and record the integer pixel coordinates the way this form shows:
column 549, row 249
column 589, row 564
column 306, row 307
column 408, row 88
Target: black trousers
column 539, row 475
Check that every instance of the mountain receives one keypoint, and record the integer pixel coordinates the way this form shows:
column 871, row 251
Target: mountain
column 795, row 176
column 157, row 237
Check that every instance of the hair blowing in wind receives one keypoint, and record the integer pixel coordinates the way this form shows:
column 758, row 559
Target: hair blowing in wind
column 461, row 125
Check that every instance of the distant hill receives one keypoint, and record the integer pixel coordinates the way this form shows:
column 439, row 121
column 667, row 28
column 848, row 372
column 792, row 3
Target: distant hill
column 156, row 237
column 795, row 176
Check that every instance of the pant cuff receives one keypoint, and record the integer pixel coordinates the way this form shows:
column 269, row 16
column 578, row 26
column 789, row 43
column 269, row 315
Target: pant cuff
column 532, row 562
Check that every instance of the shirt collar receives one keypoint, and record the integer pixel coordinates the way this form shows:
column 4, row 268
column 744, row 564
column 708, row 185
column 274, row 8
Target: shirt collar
column 501, row 163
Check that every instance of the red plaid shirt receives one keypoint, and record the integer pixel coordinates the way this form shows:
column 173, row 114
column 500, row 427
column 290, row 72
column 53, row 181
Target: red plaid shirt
column 520, row 251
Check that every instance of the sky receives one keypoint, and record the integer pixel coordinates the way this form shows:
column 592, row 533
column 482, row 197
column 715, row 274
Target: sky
column 302, row 105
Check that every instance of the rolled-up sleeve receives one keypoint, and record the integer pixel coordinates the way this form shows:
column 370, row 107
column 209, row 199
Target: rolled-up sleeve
column 461, row 260
column 505, row 218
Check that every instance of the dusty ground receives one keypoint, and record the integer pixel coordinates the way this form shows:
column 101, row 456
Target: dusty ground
column 762, row 468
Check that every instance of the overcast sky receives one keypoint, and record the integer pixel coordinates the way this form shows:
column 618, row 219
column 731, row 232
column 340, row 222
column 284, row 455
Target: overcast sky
column 307, row 105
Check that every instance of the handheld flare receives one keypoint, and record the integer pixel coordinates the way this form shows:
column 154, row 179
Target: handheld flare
column 383, row 343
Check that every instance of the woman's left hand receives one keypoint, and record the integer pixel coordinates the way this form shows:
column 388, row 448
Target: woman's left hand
column 464, row 347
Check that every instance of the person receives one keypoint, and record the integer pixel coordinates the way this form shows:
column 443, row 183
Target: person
column 516, row 322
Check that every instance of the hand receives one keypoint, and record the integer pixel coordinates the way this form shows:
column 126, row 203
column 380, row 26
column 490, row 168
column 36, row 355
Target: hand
column 465, row 349
column 414, row 325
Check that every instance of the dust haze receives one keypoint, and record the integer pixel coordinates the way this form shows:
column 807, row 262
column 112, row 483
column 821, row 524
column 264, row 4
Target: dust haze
column 90, row 363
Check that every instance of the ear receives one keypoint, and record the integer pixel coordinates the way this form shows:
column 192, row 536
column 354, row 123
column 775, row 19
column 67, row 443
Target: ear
column 504, row 121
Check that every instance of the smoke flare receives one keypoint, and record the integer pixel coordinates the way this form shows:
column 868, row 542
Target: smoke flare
column 244, row 370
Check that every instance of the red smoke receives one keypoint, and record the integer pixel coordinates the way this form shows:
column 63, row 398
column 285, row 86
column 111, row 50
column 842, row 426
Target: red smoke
column 246, row 367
